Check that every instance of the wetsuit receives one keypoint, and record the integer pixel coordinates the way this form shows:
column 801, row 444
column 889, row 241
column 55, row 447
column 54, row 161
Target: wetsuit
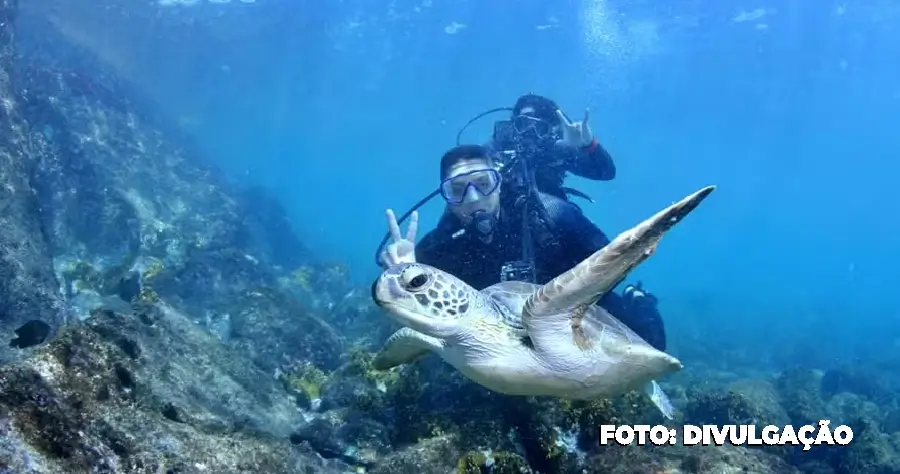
column 571, row 239
column 592, row 162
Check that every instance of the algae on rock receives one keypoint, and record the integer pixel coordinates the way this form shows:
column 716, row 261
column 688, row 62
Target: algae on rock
column 146, row 392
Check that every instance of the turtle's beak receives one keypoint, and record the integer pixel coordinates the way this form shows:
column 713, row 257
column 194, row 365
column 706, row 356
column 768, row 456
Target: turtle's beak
column 384, row 291
column 405, row 309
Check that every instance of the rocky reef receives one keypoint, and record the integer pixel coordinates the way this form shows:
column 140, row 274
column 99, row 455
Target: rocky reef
column 28, row 290
column 161, row 319
column 112, row 206
column 137, row 286
column 146, row 391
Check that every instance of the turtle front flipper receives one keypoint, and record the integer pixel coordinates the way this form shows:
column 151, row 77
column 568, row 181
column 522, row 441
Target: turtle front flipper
column 404, row 347
column 561, row 301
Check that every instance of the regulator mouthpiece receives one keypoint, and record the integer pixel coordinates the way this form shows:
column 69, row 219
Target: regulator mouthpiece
column 483, row 222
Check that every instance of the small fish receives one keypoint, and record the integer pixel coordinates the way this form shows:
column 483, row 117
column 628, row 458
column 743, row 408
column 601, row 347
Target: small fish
column 30, row 334
column 129, row 286
column 116, row 304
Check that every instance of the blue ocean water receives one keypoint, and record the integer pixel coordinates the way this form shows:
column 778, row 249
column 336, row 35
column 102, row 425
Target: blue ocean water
column 344, row 108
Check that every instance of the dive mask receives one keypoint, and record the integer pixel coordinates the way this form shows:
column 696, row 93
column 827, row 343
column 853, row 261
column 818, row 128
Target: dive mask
column 525, row 123
column 484, row 181
column 523, row 127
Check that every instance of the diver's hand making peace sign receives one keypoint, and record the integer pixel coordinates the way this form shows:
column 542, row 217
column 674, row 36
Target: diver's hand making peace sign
column 400, row 250
column 575, row 134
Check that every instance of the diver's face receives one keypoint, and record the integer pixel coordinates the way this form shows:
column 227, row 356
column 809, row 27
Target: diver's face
column 476, row 184
column 532, row 128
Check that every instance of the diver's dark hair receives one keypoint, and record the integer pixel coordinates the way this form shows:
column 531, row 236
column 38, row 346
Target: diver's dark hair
column 544, row 108
column 463, row 152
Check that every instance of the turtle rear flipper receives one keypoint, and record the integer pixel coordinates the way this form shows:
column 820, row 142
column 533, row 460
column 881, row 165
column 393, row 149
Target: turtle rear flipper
column 404, row 347
column 550, row 309
column 660, row 399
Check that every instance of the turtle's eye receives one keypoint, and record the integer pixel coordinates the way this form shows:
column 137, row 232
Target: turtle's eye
column 414, row 279
column 417, row 282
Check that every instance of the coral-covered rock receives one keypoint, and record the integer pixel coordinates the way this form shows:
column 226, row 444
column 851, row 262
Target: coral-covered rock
column 687, row 460
column 276, row 327
column 346, row 434
column 438, row 455
column 846, row 407
column 146, row 392
column 748, row 402
column 495, row 462
column 28, row 288
column 871, row 452
column 860, row 381
column 114, row 205
column 800, row 392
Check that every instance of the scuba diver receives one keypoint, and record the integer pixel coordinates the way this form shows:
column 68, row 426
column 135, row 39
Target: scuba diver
column 541, row 133
column 498, row 227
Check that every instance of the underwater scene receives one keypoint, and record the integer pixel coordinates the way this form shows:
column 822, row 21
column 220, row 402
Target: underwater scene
column 438, row 237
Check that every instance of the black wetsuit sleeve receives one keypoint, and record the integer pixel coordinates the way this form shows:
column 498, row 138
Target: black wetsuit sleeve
column 578, row 236
column 428, row 249
column 591, row 162
column 577, row 232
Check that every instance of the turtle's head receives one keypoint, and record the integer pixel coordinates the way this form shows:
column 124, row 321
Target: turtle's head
column 424, row 298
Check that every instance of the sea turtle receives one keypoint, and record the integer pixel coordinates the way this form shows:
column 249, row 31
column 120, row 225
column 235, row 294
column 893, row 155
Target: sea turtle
column 518, row 338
